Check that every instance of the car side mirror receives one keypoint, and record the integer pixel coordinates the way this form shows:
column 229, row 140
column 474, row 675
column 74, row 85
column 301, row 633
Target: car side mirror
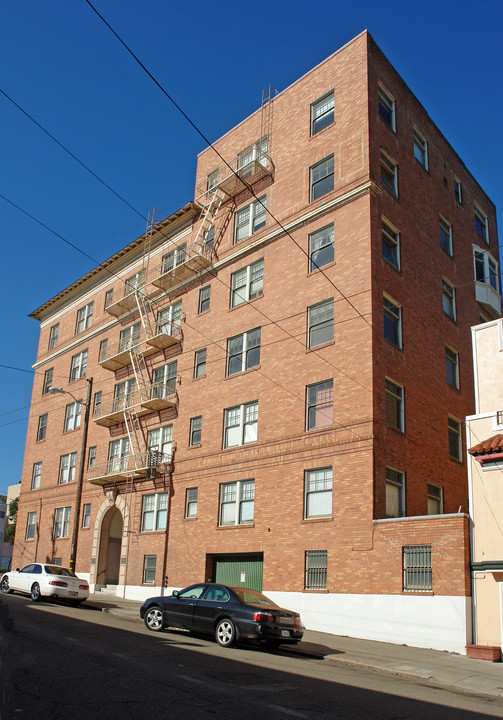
column 175, row 593
column 17, row 570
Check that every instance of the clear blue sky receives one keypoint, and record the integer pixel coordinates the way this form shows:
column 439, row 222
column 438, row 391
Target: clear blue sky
column 63, row 66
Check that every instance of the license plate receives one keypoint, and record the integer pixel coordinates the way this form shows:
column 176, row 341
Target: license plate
column 285, row 620
column 72, row 594
column 285, row 633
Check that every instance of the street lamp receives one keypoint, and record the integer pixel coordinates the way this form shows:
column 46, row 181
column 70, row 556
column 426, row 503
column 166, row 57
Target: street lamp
column 80, row 477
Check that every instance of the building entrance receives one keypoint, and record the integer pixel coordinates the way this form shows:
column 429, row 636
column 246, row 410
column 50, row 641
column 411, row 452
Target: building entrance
column 110, row 548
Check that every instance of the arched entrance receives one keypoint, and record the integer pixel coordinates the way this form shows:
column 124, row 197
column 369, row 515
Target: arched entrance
column 110, row 547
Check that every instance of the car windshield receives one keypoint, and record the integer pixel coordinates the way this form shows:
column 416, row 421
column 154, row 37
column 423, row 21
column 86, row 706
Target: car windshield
column 252, row 597
column 56, row 570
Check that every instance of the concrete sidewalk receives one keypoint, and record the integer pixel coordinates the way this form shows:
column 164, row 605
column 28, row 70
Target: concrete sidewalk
column 439, row 668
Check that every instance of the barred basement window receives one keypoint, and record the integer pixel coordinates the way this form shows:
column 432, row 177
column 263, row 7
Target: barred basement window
column 417, row 573
column 316, row 570
column 149, row 563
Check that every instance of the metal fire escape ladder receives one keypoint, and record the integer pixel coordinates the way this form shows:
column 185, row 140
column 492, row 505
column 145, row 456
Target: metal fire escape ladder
column 208, row 217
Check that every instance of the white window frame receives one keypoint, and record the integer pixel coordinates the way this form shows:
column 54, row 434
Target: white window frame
column 200, row 363
column 445, row 235
column 452, row 361
column 67, row 467
column 420, row 147
column 42, row 427
column 174, row 258
column 84, row 318
column 318, row 493
column 449, row 299
column 250, row 219
column 78, row 366
column 73, row 415
column 134, row 282
column 255, row 152
column 490, row 273
column 169, row 319
column 118, row 454
column 161, row 440
column 164, row 380
column 235, row 502
column 31, row 524
column 389, row 174
column 386, row 101
column 322, row 112
column 212, row 180
column 247, row 350
column 241, row 420
column 454, row 434
column 157, row 509
column 321, row 245
column 53, row 336
column 324, row 321
column 36, row 476
column 250, row 287
column 91, row 456
column 481, row 221
column 47, row 380
column 129, row 337
column 396, row 393
column 191, row 502
column 435, row 496
column 86, row 515
column 390, row 241
column 320, row 399
column 62, row 522
column 393, row 311
column 196, row 427
column 319, row 175
column 395, row 488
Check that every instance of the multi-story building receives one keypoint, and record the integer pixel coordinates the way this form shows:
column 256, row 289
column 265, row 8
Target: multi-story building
column 280, row 371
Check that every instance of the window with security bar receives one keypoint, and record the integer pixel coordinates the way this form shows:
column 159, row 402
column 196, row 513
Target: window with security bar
column 417, row 571
column 316, row 570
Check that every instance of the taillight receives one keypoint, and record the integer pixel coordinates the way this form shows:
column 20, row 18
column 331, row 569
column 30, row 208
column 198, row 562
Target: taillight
column 296, row 620
column 59, row 583
column 263, row 617
column 83, row 587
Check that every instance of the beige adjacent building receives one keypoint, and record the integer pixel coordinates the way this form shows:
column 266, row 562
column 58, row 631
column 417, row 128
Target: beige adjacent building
column 485, row 467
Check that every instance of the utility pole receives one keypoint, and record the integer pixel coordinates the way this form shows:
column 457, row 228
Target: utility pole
column 80, row 478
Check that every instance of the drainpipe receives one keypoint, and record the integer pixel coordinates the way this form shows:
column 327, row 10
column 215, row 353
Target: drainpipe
column 80, row 479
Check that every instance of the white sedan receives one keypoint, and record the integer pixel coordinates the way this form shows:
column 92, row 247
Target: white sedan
column 40, row 580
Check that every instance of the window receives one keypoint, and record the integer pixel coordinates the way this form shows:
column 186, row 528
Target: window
column 36, row 475
column 118, row 455
column 250, row 219
column 191, row 502
column 434, row 500
column 169, row 319
column 417, row 567
column 91, row 457
column 209, row 237
column 481, row 224
column 154, row 512
column 486, row 268
column 204, row 299
column 47, row 380
column 320, row 323
column 212, row 180
column 316, row 570
column 237, row 501
column 84, row 318
column 129, row 337
column 322, row 113
column 174, row 258
column 109, row 298
column 243, row 351
column 449, row 299
column 79, row 366
column 196, row 424
column 53, row 336
column 255, row 152
column 318, row 493
column 389, row 174
column 394, row 405
column 161, row 440
column 58, row 561
column 67, row 464
column 321, row 178
column 319, row 405
column 124, row 395
column 455, row 444
column 247, row 283
column 445, row 236
column 420, row 149
column 42, row 427
column 457, row 190
column 392, row 321
column 61, row 522
column 395, row 493
column 149, row 565
column 134, row 282
column 390, row 244
column 386, row 107
column 452, row 367
column 103, row 353
column 97, row 403
column 240, row 424
column 31, row 522
column 200, row 363
column 72, row 416
column 164, row 380
column 321, row 248
column 86, row 515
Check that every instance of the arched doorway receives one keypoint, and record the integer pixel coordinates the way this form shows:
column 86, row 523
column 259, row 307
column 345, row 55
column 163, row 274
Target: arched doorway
column 110, row 547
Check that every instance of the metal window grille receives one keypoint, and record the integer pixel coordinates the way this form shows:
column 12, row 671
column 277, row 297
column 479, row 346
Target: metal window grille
column 316, row 570
column 417, row 574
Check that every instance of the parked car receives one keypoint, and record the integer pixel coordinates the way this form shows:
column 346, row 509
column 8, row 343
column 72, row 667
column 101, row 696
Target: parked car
column 40, row 580
column 227, row 613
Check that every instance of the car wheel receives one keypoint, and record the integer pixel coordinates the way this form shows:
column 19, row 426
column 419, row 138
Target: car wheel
column 35, row 593
column 153, row 619
column 4, row 585
column 225, row 633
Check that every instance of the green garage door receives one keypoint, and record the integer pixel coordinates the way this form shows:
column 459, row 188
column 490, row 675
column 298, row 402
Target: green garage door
column 239, row 570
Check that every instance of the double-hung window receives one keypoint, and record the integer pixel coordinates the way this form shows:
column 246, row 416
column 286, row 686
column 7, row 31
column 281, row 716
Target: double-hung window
column 389, row 174
column 420, row 148
column 481, row 224
column 435, row 500
column 191, row 502
column 84, row 318
column 390, row 244
column 169, row 319
column 247, row 283
column 449, row 299
column 53, row 336
column 458, row 193
column 36, row 475
column 320, row 323
column 318, row 493
column 47, row 380
column 394, row 405
column 129, row 337
column 124, row 395
column 118, row 455
column 212, row 180
column 319, row 404
column 31, row 522
column 73, row 415
column 67, row 465
column 161, row 440
column 91, row 456
column 164, row 380
column 240, row 424
column 445, row 236
column 452, row 367
column 321, row 248
column 486, row 268
column 196, row 426
column 86, row 515
column 149, row 567
column 174, row 257
column 392, row 321
column 243, row 351
column 246, row 158
column 321, row 180
column 322, row 113
column 42, row 427
column 79, row 366
column 237, row 501
column 395, row 493
column 455, row 442
column 204, row 299
column 154, row 512
column 200, row 363
column 386, row 107
column 250, row 218
column 61, row 522
column 134, row 282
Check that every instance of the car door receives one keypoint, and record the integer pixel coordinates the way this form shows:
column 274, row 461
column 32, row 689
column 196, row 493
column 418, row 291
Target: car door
column 23, row 579
column 213, row 602
column 179, row 610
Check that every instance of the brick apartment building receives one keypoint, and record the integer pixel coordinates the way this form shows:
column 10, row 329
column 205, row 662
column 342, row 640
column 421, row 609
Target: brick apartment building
column 280, row 372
